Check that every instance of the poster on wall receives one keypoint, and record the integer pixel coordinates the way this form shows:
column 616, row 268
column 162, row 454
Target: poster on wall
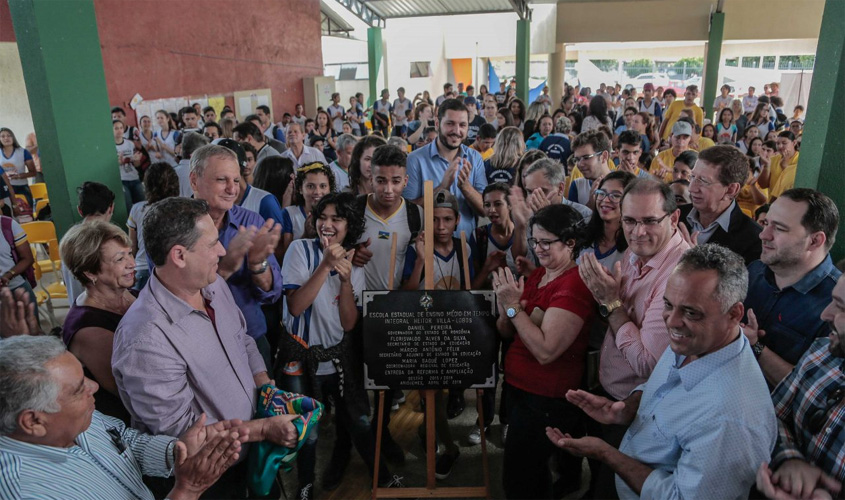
column 174, row 104
column 247, row 100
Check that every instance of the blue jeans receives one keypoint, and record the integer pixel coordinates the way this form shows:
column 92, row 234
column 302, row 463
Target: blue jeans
column 133, row 192
column 347, row 427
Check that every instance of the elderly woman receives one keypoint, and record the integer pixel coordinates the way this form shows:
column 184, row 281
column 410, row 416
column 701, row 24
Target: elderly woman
column 549, row 316
column 99, row 255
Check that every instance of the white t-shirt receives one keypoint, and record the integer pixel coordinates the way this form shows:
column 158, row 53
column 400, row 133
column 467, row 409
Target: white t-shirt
column 6, row 260
column 15, row 164
column 341, row 177
column 136, row 222
column 380, row 233
column 183, row 171
column 127, row 170
column 399, row 108
column 337, row 123
column 293, row 221
column 170, row 141
column 320, row 323
column 447, row 268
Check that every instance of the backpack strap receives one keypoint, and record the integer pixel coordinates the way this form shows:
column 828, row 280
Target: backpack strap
column 414, row 218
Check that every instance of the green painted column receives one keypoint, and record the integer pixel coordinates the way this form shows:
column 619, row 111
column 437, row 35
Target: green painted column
column 713, row 62
column 63, row 70
column 374, row 56
column 523, row 58
column 821, row 165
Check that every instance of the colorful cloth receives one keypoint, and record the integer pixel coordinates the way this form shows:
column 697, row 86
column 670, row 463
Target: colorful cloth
column 265, row 458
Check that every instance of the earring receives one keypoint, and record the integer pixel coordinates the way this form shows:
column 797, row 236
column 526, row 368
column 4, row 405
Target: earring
column 93, row 281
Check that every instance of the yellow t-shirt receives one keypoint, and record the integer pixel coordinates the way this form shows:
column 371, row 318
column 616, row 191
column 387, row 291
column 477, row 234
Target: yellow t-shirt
column 776, row 166
column 704, row 143
column 671, row 115
column 485, row 155
column 668, row 159
column 746, row 201
column 785, row 179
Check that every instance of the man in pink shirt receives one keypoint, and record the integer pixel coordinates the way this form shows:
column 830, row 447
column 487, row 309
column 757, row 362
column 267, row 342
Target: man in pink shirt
column 631, row 295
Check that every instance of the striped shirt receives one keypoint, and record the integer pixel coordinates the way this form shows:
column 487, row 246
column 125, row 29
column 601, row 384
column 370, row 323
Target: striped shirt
column 94, row 468
column 797, row 397
column 629, row 356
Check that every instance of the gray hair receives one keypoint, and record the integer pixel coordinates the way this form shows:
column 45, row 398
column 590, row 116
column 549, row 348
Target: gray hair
column 398, row 142
column 200, row 157
column 732, row 285
column 172, row 221
column 552, row 169
column 25, row 381
column 563, row 125
column 346, row 140
column 192, row 142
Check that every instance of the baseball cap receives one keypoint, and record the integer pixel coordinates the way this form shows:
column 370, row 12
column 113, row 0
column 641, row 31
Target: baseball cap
column 648, row 86
column 470, row 100
column 681, row 128
column 444, row 199
column 237, row 148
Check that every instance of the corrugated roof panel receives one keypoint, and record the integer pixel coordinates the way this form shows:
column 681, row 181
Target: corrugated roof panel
column 419, row 8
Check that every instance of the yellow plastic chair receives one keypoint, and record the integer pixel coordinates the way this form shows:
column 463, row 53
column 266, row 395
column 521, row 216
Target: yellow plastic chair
column 21, row 198
column 43, row 202
column 39, row 191
column 42, row 298
column 44, row 233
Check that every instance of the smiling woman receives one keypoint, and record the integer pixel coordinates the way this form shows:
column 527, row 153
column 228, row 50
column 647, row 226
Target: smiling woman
column 99, row 255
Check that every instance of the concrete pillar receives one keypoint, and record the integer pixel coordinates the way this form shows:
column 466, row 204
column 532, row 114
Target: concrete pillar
column 66, row 87
column 712, row 62
column 523, row 59
column 822, row 149
column 557, row 74
column 374, row 55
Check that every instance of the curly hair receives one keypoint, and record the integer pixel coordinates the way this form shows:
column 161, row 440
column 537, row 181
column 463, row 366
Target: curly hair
column 160, row 182
column 303, row 172
column 347, row 209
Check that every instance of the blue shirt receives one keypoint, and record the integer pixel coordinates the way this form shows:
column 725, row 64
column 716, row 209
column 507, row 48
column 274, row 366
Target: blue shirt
column 248, row 296
column 262, row 202
column 704, row 433
column 426, row 164
column 791, row 317
column 92, row 468
column 557, row 147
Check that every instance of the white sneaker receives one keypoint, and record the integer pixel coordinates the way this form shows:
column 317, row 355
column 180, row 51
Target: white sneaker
column 475, row 435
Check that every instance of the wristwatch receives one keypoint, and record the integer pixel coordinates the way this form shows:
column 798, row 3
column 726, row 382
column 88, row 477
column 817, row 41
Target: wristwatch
column 606, row 309
column 757, row 349
column 261, row 269
column 512, row 310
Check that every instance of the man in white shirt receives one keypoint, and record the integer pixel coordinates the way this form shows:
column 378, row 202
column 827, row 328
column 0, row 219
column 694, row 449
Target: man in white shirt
column 297, row 151
column 400, row 107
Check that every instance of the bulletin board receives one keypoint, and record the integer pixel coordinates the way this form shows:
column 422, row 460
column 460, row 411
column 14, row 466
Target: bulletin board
column 247, row 100
column 174, row 104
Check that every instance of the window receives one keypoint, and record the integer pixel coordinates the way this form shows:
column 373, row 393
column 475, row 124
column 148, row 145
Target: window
column 751, row 62
column 347, row 71
column 769, row 62
column 797, row 62
column 733, row 62
column 420, row 69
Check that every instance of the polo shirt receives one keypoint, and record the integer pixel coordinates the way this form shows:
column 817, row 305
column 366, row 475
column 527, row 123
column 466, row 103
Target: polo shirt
column 791, row 316
column 426, row 164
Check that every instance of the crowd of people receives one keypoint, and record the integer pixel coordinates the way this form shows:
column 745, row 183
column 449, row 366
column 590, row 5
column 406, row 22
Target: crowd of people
column 667, row 304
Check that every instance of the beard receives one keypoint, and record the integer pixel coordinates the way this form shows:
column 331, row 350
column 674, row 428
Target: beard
column 837, row 349
column 444, row 141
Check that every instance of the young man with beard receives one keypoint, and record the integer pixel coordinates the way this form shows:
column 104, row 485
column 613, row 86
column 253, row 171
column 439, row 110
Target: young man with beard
column 791, row 283
column 451, row 165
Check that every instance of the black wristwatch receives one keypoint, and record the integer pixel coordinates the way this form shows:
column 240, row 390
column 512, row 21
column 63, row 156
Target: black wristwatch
column 757, row 349
column 261, row 269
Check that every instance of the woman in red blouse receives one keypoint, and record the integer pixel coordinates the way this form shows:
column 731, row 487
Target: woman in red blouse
column 549, row 316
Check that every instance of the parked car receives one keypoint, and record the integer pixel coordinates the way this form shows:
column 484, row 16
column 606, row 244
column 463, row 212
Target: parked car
column 658, row 79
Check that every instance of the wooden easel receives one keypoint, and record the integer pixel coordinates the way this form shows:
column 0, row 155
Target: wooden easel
column 430, row 490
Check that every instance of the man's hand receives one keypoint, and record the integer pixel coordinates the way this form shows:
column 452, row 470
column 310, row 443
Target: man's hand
column 264, row 243
column 199, row 434
column 17, row 314
column 539, row 199
column 520, row 211
column 605, row 287
column 691, row 239
column 464, row 174
column 196, row 472
column 280, row 430
column 598, row 408
column 451, row 173
column 524, row 266
column 751, row 329
column 239, row 246
column 344, row 267
column 590, row 447
column 363, row 254
column 663, row 170
column 495, row 260
column 419, row 245
column 802, row 480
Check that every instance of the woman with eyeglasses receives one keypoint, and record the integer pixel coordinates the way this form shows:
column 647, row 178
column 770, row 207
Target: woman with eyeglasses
column 604, row 231
column 548, row 315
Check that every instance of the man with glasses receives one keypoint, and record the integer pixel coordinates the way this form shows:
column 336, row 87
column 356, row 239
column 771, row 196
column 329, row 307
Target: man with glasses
column 591, row 150
column 714, row 215
column 630, row 150
column 809, row 458
column 631, row 299
column 792, row 282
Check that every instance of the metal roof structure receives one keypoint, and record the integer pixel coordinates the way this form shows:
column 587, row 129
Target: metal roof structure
column 333, row 24
column 376, row 12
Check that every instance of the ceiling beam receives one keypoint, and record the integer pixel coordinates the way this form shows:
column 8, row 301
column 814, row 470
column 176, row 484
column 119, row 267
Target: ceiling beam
column 364, row 12
column 521, row 9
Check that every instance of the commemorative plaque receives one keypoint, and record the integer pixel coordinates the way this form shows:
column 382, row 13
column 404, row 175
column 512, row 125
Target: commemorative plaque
column 429, row 339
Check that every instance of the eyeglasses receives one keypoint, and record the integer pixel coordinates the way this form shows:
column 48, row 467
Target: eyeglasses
column 817, row 419
column 632, row 223
column 602, row 194
column 694, row 179
column 579, row 159
column 543, row 244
